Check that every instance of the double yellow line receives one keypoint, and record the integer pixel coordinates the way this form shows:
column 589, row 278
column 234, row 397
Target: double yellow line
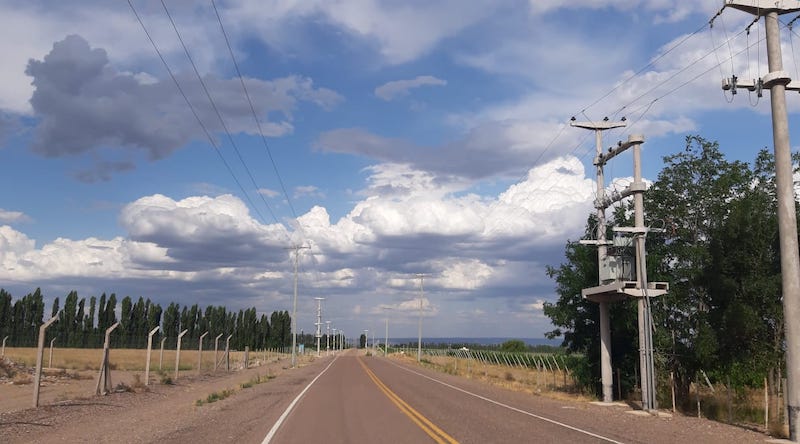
column 426, row 425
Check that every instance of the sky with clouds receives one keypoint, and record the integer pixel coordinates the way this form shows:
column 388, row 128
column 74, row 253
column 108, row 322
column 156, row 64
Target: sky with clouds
column 176, row 150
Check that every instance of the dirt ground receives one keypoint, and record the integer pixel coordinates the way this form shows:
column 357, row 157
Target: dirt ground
column 60, row 385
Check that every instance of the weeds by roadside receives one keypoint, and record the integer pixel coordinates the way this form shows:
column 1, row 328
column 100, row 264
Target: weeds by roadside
column 217, row 396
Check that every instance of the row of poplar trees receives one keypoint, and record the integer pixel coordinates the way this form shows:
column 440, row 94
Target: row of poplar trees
column 719, row 252
column 82, row 325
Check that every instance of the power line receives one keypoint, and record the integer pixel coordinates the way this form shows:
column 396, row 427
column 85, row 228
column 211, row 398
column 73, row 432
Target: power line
column 252, row 108
column 194, row 112
column 217, row 112
column 642, row 69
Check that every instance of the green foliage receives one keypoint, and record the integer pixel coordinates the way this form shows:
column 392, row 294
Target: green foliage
column 720, row 254
column 513, row 346
column 20, row 320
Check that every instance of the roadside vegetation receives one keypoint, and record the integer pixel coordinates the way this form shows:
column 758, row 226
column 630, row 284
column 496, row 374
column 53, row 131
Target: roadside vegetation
column 719, row 330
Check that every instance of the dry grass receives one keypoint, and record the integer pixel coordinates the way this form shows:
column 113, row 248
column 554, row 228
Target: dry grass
column 120, row 359
column 550, row 384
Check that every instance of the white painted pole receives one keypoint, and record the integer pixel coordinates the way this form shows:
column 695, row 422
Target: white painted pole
column 149, row 349
column 3, row 353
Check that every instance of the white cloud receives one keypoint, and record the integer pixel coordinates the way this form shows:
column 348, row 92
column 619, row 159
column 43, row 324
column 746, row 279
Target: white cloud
column 10, row 217
column 308, row 191
column 397, row 88
column 268, row 193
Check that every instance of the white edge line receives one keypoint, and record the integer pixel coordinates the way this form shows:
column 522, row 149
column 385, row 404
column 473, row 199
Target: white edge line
column 288, row 410
column 552, row 421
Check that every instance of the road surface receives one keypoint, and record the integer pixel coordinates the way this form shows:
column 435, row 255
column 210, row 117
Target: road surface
column 352, row 398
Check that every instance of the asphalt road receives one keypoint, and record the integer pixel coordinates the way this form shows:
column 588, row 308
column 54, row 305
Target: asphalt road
column 375, row 400
column 352, row 398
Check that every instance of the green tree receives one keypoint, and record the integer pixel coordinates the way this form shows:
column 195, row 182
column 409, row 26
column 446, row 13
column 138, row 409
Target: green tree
column 513, row 346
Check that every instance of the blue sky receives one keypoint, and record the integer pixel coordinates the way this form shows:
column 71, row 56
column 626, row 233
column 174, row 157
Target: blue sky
column 408, row 137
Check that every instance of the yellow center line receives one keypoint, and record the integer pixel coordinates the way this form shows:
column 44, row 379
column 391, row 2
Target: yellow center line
column 438, row 435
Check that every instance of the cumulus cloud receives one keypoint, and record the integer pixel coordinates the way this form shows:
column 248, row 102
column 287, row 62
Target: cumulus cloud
column 398, row 88
column 84, row 105
column 308, row 191
column 204, row 232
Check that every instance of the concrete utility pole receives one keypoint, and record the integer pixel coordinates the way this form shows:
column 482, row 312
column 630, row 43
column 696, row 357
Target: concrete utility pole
column 778, row 81
column 616, row 283
column 327, row 337
column 421, row 277
column 366, row 339
column 605, row 330
column 319, row 322
column 296, row 249
column 645, row 315
column 386, row 339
